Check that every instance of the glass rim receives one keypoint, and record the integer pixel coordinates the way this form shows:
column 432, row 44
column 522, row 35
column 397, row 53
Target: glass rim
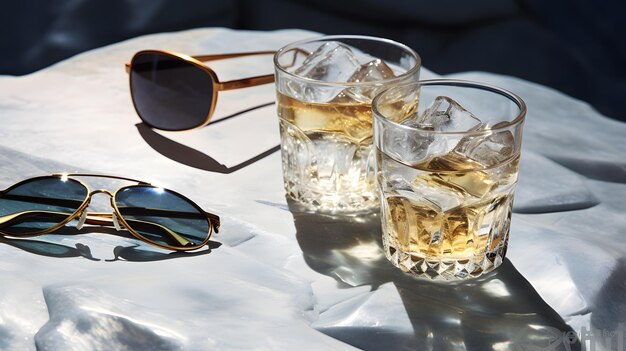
column 409, row 72
column 519, row 119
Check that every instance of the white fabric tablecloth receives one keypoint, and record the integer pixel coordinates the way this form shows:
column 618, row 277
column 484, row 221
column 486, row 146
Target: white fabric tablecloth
column 283, row 278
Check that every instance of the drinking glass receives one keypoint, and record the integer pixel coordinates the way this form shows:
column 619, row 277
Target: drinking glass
column 325, row 88
column 447, row 157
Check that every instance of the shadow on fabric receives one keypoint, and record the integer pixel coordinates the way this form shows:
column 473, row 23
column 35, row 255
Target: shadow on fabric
column 500, row 309
column 194, row 158
column 132, row 253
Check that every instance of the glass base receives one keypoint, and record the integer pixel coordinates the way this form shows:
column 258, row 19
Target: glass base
column 444, row 269
column 332, row 202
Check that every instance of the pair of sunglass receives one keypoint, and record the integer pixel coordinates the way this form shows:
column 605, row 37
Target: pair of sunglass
column 155, row 215
column 172, row 91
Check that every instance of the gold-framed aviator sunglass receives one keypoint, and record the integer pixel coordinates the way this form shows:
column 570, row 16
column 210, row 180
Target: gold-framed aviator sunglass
column 157, row 216
column 175, row 92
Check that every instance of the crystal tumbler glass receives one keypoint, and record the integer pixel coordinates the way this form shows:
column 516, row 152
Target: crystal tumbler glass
column 447, row 162
column 325, row 88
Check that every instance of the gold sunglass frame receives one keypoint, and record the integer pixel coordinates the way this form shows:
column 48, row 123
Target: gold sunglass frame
column 106, row 219
column 218, row 86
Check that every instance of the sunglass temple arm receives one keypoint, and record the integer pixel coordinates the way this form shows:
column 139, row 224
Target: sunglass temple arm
column 253, row 81
column 215, row 57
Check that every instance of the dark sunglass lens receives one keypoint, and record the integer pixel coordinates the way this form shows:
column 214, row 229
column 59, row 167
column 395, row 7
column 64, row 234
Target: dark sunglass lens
column 39, row 204
column 170, row 93
column 162, row 216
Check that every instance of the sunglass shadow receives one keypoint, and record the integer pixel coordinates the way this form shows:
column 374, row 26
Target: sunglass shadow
column 132, row 253
column 192, row 157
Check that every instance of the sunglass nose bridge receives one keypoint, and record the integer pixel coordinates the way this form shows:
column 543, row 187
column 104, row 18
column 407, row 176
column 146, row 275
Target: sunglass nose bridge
column 99, row 218
column 101, row 191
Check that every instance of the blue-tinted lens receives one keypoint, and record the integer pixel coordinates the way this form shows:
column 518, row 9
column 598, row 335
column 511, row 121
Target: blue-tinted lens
column 162, row 216
column 170, row 93
column 39, row 204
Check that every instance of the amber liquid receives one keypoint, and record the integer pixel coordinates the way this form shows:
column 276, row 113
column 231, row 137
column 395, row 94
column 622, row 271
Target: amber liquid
column 327, row 153
column 448, row 217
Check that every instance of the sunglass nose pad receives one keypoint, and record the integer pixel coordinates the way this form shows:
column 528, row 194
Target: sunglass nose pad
column 116, row 223
column 81, row 220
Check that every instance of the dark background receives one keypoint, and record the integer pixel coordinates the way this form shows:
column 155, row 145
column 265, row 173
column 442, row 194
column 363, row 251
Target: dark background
column 575, row 46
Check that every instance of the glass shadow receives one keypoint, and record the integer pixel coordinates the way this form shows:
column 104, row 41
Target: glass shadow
column 499, row 311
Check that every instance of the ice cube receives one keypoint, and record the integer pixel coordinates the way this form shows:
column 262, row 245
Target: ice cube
column 406, row 145
column 414, row 146
column 443, row 114
column 331, row 62
column 440, row 199
column 490, row 149
column 447, row 115
column 420, row 192
column 375, row 70
column 311, row 119
column 372, row 71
